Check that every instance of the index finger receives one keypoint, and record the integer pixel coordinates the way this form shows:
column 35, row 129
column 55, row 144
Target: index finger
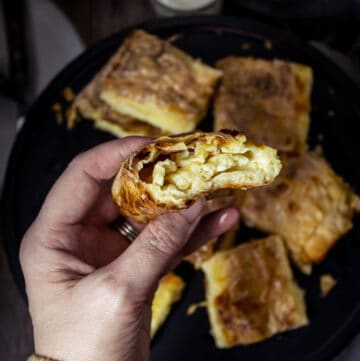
column 78, row 188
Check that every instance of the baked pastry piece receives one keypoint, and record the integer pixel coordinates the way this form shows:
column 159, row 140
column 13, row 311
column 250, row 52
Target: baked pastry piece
column 171, row 173
column 89, row 105
column 268, row 100
column 251, row 294
column 155, row 82
column 308, row 205
column 168, row 292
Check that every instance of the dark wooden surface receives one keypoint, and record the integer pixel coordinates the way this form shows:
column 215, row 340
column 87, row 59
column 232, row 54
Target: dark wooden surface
column 96, row 19
column 15, row 325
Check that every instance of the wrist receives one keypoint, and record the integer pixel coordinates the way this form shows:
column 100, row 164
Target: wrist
column 36, row 357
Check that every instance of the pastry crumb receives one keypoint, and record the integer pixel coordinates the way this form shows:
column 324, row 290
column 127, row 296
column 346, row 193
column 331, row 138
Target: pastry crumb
column 318, row 149
column 58, row 112
column 194, row 307
column 268, row 44
column 56, row 107
column 245, row 46
column 327, row 283
column 68, row 94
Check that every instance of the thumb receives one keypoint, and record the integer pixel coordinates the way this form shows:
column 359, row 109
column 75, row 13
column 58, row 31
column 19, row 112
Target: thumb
column 157, row 247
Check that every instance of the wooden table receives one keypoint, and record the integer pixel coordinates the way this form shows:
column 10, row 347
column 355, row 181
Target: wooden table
column 15, row 324
column 96, row 19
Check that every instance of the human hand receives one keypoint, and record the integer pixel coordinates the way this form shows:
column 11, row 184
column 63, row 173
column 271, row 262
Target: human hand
column 89, row 291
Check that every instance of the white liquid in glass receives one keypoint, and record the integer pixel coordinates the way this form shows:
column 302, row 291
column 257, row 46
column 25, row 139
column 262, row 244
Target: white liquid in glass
column 186, row 5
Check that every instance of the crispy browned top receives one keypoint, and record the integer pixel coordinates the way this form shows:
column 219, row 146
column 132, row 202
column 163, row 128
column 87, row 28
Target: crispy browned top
column 308, row 204
column 130, row 187
column 148, row 67
column 93, row 103
column 259, row 300
column 258, row 97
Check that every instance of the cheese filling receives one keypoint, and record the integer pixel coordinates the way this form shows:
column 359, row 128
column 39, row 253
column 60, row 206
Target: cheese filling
column 198, row 167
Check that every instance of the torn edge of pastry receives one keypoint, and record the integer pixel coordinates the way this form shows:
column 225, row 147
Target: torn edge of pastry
column 168, row 292
column 173, row 172
column 251, row 293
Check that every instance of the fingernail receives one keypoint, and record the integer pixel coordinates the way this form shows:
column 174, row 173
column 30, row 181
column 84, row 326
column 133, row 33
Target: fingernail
column 230, row 217
column 194, row 211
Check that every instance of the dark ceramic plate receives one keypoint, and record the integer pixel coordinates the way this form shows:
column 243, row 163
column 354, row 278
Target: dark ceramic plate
column 43, row 149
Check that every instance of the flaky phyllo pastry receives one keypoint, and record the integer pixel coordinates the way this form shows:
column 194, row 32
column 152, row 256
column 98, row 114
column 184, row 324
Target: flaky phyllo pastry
column 159, row 84
column 88, row 105
column 251, row 293
column 172, row 172
column 148, row 87
column 309, row 205
column 268, row 100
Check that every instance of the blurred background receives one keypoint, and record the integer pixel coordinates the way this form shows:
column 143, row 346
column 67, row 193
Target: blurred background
column 39, row 37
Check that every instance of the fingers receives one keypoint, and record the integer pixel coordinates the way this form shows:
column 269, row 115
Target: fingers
column 212, row 226
column 100, row 246
column 78, row 188
column 104, row 210
column 154, row 251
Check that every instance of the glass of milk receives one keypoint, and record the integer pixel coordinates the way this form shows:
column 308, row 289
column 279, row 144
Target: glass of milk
column 186, row 7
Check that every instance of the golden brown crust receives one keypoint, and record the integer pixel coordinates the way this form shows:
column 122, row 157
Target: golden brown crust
column 138, row 197
column 308, row 205
column 89, row 105
column 251, row 294
column 268, row 100
column 153, row 81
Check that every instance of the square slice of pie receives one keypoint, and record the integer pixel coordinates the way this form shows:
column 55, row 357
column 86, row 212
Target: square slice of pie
column 308, row 204
column 267, row 100
column 88, row 105
column 153, row 81
column 251, row 293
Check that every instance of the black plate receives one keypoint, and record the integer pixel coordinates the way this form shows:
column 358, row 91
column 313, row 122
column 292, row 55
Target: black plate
column 44, row 148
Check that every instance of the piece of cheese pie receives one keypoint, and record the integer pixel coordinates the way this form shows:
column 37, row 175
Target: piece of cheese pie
column 173, row 172
column 268, row 100
column 308, row 204
column 251, row 293
column 157, row 83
